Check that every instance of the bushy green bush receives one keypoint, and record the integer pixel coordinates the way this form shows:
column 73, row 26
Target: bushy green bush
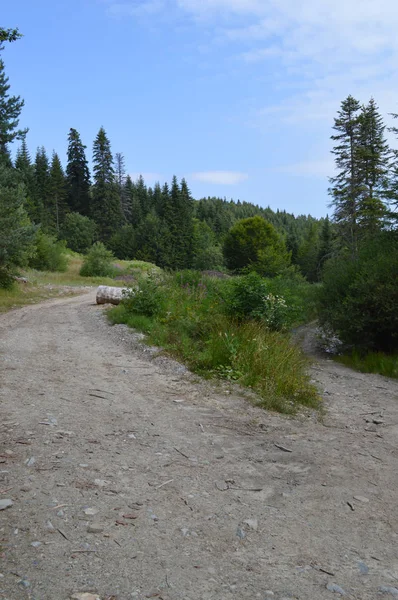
column 98, row 262
column 79, row 232
column 49, row 254
column 249, row 298
column 254, row 244
column 359, row 298
column 146, row 298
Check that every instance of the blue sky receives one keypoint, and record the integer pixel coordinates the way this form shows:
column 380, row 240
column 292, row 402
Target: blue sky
column 237, row 96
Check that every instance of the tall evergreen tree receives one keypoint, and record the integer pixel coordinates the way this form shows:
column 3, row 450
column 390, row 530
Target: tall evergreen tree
column 346, row 185
column 57, row 207
column 41, row 183
column 120, row 177
column 10, row 109
column 106, row 210
column 373, row 158
column 178, row 218
column 24, row 166
column 77, row 175
column 393, row 178
column 141, row 192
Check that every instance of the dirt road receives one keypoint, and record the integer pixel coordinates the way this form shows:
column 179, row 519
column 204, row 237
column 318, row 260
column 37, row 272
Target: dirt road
column 131, row 480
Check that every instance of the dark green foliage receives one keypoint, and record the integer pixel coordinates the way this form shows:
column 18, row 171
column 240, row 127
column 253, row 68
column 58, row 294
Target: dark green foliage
column 23, row 165
column 150, row 239
column 49, row 254
column 308, row 254
column 98, row 262
column 359, row 299
column 8, row 35
column 373, row 156
column 346, row 186
column 16, row 231
column 123, row 243
column 362, row 159
column 79, row 232
column 254, row 244
column 177, row 212
column 55, row 207
column 77, row 175
column 106, row 209
column 41, row 192
column 372, row 362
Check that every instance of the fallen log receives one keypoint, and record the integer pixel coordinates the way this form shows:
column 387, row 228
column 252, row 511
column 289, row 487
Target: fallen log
column 110, row 295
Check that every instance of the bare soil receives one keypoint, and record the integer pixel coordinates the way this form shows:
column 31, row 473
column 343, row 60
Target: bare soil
column 197, row 494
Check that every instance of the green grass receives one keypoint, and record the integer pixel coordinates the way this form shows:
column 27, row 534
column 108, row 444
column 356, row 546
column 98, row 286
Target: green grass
column 373, row 362
column 184, row 315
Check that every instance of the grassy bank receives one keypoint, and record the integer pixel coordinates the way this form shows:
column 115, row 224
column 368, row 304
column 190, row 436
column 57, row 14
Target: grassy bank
column 373, row 362
column 225, row 328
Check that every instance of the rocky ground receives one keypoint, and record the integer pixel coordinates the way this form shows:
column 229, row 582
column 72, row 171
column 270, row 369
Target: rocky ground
column 122, row 476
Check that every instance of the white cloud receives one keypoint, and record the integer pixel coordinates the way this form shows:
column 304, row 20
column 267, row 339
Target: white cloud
column 220, row 177
column 325, row 49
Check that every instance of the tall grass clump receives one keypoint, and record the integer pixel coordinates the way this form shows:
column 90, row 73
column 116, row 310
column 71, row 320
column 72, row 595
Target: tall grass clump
column 232, row 329
column 372, row 362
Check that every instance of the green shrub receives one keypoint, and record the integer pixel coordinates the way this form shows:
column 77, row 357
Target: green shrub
column 249, row 298
column 79, row 232
column 358, row 300
column 49, row 254
column 98, row 262
column 254, row 244
column 147, row 298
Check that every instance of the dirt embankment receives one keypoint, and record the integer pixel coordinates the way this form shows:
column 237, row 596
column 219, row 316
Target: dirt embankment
column 129, row 479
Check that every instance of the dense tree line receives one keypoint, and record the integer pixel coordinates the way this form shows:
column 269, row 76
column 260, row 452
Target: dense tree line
column 160, row 224
column 359, row 296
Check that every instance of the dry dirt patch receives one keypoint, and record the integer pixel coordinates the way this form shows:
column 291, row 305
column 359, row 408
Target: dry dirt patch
column 129, row 479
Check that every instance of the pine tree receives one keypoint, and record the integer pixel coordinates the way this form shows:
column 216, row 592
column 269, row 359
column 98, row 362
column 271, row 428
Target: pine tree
column 77, row 175
column 10, row 110
column 373, row 157
column 177, row 212
column 120, row 177
column 392, row 194
column 56, row 208
column 141, row 192
column 346, row 186
column 23, row 165
column 106, row 210
column 128, row 199
column 41, row 190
